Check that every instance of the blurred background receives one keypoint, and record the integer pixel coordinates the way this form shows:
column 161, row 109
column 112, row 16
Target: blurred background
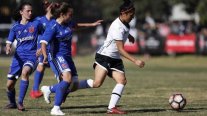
column 160, row 27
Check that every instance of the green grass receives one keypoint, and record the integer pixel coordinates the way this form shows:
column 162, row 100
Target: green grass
column 146, row 93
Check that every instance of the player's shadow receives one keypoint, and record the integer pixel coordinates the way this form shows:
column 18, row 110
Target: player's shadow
column 145, row 110
column 141, row 110
column 193, row 109
column 71, row 96
column 85, row 106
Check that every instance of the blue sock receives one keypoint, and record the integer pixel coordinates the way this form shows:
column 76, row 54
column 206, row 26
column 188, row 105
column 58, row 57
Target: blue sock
column 11, row 95
column 53, row 88
column 61, row 90
column 37, row 80
column 23, row 89
column 83, row 84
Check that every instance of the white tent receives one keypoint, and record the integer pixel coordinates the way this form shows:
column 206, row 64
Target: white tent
column 179, row 13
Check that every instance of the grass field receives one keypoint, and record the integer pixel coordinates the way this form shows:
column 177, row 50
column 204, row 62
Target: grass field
column 146, row 93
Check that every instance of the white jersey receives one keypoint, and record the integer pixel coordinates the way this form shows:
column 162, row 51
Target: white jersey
column 117, row 31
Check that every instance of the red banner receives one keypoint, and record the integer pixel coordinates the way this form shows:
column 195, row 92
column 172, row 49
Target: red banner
column 180, row 43
column 131, row 47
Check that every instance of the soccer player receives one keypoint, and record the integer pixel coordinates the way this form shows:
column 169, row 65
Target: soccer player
column 39, row 73
column 35, row 93
column 24, row 61
column 108, row 60
column 59, row 35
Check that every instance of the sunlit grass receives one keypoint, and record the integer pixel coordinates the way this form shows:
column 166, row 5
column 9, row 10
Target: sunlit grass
column 146, row 93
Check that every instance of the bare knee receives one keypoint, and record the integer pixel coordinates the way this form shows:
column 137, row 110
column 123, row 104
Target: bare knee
column 124, row 82
column 40, row 68
column 25, row 75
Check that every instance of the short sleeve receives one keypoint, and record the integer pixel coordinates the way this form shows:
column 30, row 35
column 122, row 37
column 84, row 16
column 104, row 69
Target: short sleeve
column 11, row 36
column 48, row 34
column 117, row 33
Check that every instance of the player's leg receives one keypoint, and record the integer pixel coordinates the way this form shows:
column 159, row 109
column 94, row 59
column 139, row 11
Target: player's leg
column 120, row 79
column 27, row 69
column 101, row 69
column 74, row 81
column 15, row 71
column 11, row 93
column 39, row 73
column 61, row 89
column 100, row 75
column 63, row 86
column 47, row 90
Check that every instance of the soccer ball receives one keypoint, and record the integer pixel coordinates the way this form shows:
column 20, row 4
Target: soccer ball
column 177, row 101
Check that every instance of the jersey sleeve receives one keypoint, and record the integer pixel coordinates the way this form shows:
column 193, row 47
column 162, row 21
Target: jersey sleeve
column 117, row 33
column 48, row 34
column 11, row 36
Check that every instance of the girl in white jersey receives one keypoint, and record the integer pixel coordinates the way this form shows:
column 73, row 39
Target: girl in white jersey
column 108, row 60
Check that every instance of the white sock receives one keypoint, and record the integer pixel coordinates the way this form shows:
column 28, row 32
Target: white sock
column 116, row 95
column 90, row 83
column 85, row 84
column 56, row 107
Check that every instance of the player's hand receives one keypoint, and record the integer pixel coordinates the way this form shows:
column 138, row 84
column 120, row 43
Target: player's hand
column 45, row 60
column 39, row 52
column 140, row 63
column 98, row 22
column 8, row 49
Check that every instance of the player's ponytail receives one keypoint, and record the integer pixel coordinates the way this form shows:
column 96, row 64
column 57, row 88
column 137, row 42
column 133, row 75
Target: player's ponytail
column 127, row 6
column 59, row 8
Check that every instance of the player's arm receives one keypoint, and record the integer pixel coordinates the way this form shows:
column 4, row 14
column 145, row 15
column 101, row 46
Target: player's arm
column 10, row 40
column 44, row 52
column 45, row 40
column 120, row 46
column 8, row 48
column 96, row 23
column 40, row 32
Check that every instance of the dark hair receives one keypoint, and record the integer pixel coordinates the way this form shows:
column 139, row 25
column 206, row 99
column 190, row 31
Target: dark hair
column 46, row 4
column 127, row 6
column 16, row 15
column 59, row 8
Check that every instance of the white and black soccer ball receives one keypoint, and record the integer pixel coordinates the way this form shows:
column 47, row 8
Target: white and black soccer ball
column 177, row 101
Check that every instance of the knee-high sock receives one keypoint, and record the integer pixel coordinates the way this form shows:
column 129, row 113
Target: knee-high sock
column 116, row 95
column 83, row 84
column 11, row 96
column 53, row 88
column 23, row 89
column 60, row 92
column 37, row 80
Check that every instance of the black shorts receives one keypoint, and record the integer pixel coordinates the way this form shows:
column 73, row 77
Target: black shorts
column 109, row 64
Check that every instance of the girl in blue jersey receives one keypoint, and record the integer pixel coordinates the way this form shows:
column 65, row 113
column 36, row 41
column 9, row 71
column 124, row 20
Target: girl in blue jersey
column 35, row 93
column 39, row 73
column 24, row 61
column 59, row 35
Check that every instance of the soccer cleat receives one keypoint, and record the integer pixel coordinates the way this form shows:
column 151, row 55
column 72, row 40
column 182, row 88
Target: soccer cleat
column 46, row 93
column 115, row 110
column 57, row 112
column 35, row 94
column 20, row 107
column 11, row 106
